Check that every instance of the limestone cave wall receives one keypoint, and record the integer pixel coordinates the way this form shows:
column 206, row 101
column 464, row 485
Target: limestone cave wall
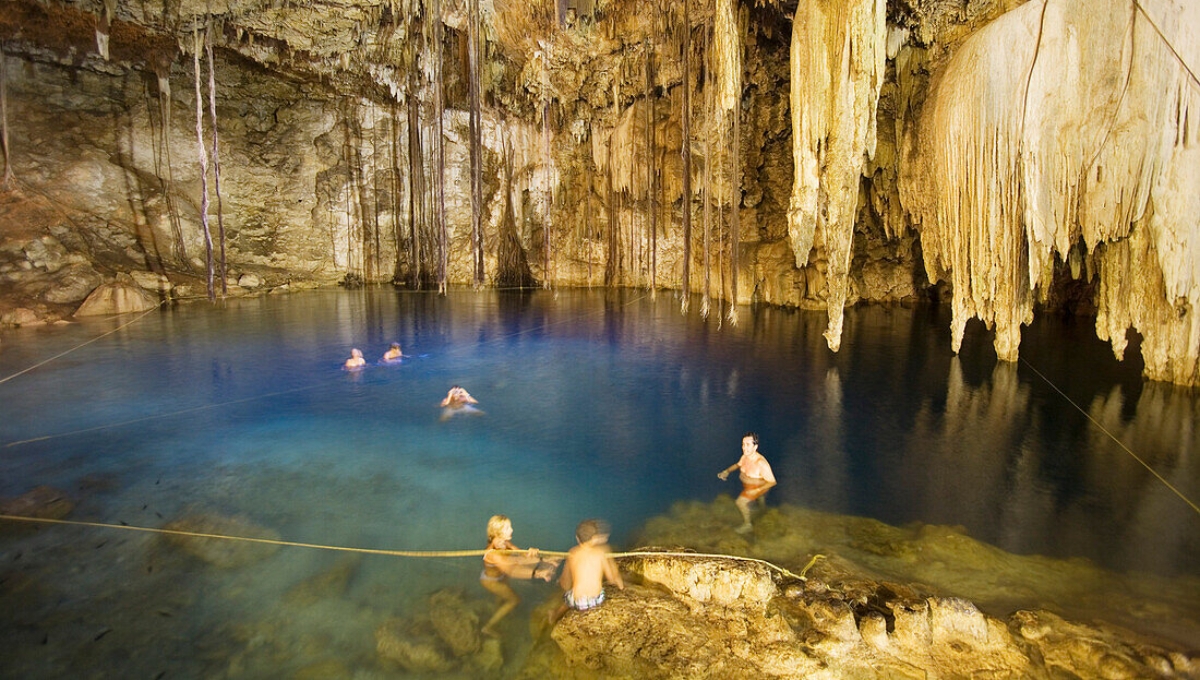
column 1007, row 157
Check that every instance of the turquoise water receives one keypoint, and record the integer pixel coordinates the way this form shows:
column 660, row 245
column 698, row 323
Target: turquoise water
column 591, row 404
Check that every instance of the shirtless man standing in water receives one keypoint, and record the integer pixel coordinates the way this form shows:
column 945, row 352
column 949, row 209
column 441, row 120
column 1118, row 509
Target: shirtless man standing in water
column 755, row 473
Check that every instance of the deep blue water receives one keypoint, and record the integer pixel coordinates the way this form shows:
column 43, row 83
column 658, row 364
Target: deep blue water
column 605, row 404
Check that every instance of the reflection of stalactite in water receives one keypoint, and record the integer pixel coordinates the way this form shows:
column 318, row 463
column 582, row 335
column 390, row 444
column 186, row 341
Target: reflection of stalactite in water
column 968, row 456
column 216, row 156
column 1163, row 433
column 203, row 158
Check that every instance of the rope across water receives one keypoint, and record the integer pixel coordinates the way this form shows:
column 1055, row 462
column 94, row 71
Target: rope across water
column 398, row 553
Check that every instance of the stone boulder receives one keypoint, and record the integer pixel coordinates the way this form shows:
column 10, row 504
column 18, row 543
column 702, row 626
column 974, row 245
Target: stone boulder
column 685, row 623
column 221, row 552
column 21, row 316
column 72, row 284
column 117, row 298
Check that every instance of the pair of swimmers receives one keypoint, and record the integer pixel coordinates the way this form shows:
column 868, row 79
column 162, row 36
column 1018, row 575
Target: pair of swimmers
column 357, row 361
column 587, row 566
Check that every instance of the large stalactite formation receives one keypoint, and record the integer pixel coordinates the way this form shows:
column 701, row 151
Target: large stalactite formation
column 1012, row 157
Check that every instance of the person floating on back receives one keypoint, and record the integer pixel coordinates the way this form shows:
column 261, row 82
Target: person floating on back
column 498, row 567
column 458, row 401
column 755, row 474
column 393, row 353
column 588, row 565
column 356, row 360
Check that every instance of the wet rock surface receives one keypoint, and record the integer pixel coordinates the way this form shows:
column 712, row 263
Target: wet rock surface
column 702, row 616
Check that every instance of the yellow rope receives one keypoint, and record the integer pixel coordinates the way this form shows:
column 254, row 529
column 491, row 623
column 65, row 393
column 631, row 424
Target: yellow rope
column 1113, row 437
column 61, row 354
column 397, row 553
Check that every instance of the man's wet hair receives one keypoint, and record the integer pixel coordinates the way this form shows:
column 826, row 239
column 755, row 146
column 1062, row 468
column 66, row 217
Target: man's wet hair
column 589, row 528
column 753, row 437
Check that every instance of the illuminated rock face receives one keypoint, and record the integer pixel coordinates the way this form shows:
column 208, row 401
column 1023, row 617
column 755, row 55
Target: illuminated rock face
column 675, row 625
column 990, row 153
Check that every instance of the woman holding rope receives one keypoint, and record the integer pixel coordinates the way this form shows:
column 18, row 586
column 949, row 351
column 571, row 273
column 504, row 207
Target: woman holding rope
column 499, row 566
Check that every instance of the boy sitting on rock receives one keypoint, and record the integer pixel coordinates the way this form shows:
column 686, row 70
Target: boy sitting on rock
column 589, row 564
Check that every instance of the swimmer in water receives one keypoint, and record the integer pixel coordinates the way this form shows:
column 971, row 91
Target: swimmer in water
column 499, row 566
column 393, row 353
column 356, row 360
column 458, row 401
column 755, row 474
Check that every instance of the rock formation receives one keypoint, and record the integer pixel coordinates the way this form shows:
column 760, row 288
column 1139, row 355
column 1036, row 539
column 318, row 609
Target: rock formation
column 1013, row 157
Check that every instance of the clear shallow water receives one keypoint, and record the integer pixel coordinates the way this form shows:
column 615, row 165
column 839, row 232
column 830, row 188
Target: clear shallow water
column 594, row 404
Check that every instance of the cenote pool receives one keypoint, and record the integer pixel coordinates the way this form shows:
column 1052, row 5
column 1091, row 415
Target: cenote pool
column 592, row 404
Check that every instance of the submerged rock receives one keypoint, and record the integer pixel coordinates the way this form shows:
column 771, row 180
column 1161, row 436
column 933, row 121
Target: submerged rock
column 456, row 624
column 221, row 552
column 396, row 641
column 331, row 582
column 43, row 502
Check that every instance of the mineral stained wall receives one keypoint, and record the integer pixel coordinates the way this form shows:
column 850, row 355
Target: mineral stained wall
column 1008, row 157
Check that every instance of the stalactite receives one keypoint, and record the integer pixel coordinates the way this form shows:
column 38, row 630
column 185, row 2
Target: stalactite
column 197, row 48
column 8, row 171
column 547, row 218
column 735, row 204
column 587, row 220
column 216, row 157
column 416, row 183
column 729, row 32
column 374, row 202
column 686, row 151
column 610, row 265
column 167, row 182
column 395, row 187
column 476, row 145
column 710, row 126
column 439, row 139
column 838, row 55
column 1078, row 147
column 651, row 156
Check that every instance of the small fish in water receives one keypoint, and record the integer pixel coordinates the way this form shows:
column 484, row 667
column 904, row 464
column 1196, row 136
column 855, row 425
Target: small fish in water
column 158, row 515
column 144, row 506
column 46, row 639
column 123, row 523
column 101, row 544
column 104, row 632
column 160, row 675
column 163, row 612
